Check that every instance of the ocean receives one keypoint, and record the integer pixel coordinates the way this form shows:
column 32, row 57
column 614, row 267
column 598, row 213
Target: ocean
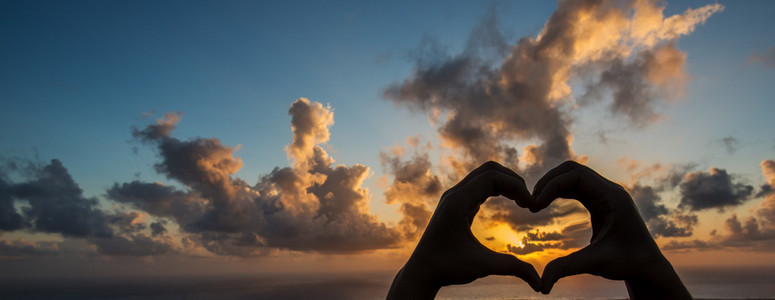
column 703, row 283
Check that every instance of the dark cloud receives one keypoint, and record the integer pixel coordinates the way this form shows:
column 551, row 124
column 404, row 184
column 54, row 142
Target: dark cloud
column 133, row 245
column 544, row 236
column 527, row 247
column 714, row 189
column 676, row 175
column 765, row 190
column 572, row 236
column 52, row 202
column 751, row 233
column 128, row 222
column 755, row 232
column 157, row 228
column 766, row 58
column 661, row 221
column 10, row 219
column 688, row 245
column 742, row 233
column 504, row 210
column 160, row 200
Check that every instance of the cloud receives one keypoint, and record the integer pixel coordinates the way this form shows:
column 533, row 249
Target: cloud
column 638, row 84
column 527, row 247
column 730, row 143
column 751, row 233
column 503, row 210
column 309, row 123
column 414, row 186
column 51, row 202
column 128, row 222
column 766, row 58
column 24, row 248
column 687, row 245
column 313, row 205
column 160, row 200
column 133, row 245
column 660, row 220
column 572, row 236
column 767, row 209
column 157, row 228
column 742, row 233
column 664, row 176
column 755, row 232
column 714, row 189
column 544, row 236
column 10, row 219
column 492, row 96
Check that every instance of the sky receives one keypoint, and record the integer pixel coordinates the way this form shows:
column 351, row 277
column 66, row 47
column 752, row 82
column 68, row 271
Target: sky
column 253, row 136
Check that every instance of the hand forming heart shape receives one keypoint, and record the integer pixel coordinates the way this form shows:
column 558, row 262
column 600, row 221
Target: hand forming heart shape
column 621, row 247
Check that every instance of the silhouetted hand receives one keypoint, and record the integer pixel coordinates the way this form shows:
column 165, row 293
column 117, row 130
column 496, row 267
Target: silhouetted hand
column 621, row 247
column 448, row 252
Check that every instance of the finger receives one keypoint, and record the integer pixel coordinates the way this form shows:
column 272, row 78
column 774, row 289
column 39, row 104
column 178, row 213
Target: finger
column 562, row 168
column 492, row 183
column 504, row 264
column 556, row 186
column 579, row 262
column 570, row 180
column 490, row 165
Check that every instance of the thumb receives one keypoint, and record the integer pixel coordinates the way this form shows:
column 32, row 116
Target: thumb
column 504, row 264
column 579, row 262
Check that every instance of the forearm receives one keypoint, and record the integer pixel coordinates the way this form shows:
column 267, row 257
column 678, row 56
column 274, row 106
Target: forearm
column 658, row 281
column 413, row 282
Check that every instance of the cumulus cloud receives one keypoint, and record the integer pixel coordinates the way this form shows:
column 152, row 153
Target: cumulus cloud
column 313, row 205
column 753, row 232
column 767, row 209
column 485, row 108
column 160, row 200
column 51, row 202
column 414, row 186
column 713, row 189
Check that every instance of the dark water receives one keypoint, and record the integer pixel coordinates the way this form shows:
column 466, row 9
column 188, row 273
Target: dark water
column 703, row 283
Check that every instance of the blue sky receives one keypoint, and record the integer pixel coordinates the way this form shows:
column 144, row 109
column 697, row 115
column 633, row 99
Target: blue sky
column 79, row 74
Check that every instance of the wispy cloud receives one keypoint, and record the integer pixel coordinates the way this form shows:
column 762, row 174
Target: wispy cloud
column 766, row 58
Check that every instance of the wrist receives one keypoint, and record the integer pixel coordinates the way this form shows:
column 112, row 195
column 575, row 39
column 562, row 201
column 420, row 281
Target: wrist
column 657, row 280
column 414, row 281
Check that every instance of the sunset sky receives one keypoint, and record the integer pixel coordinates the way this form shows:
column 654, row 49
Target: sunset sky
column 146, row 137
